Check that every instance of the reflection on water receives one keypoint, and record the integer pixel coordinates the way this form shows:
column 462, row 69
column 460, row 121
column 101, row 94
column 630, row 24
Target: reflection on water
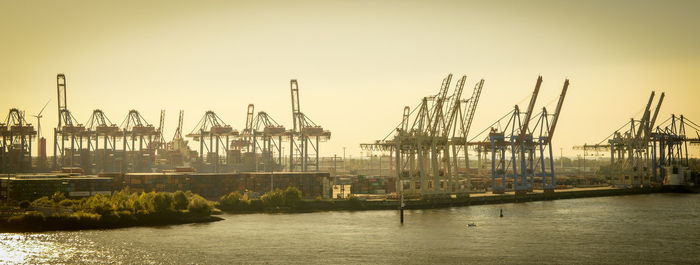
column 628, row 229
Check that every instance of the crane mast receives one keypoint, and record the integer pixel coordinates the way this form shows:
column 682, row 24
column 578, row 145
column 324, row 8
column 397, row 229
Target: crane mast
column 294, row 87
column 530, row 108
column 557, row 111
column 404, row 121
column 473, row 102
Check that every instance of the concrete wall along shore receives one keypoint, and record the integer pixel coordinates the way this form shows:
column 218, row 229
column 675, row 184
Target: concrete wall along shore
column 209, row 185
column 33, row 186
column 214, row 185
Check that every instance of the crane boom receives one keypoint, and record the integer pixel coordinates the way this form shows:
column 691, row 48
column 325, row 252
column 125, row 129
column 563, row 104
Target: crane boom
column 472, row 106
column 63, row 114
column 404, row 121
column 436, row 117
column 294, row 86
column 558, row 111
column 249, row 119
column 530, row 108
column 656, row 113
column 645, row 118
column 178, row 130
column 455, row 106
column 162, row 120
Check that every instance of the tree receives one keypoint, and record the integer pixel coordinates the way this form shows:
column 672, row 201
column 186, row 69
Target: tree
column 180, row 200
column 292, row 196
column 198, row 205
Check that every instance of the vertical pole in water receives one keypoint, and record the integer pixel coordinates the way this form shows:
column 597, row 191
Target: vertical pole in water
column 401, row 208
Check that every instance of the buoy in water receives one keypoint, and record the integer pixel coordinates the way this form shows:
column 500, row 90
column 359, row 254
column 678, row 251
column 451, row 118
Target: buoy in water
column 501, row 212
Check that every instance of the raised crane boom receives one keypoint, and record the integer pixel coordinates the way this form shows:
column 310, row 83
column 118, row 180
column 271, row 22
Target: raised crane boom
column 656, row 113
column 64, row 117
column 474, row 100
column 162, row 120
column 530, row 107
column 645, row 118
column 178, row 130
column 294, row 87
column 557, row 112
column 249, row 119
column 454, row 107
column 437, row 115
column 404, row 121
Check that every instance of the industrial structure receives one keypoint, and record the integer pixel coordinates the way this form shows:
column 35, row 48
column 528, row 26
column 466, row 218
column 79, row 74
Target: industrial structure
column 267, row 137
column 138, row 148
column 642, row 153
column 68, row 130
column 16, row 144
column 101, row 133
column 213, row 134
column 427, row 150
column 98, row 145
column 303, row 135
column 519, row 151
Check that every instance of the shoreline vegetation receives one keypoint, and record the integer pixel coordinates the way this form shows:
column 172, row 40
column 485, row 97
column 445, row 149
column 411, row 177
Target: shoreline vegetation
column 121, row 209
column 127, row 209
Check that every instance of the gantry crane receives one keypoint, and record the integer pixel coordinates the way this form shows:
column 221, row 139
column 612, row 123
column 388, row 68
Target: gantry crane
column 301, row 135
column 68, row 129
column 218, row 133
column 177, row 149
column 268, row 132
column 630, row 149
column 16, row 145
column 100, row 127
column 544, row 166
column 136, row 127
column 427, row 150
column 515, row 149
column 669, row 151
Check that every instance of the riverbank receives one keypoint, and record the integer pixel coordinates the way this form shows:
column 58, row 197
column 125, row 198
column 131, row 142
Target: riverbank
column 121, row 209
column 511, row 197
column 126, row 209
column 238, row 204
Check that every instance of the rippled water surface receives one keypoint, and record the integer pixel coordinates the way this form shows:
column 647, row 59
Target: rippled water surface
column 657, row 228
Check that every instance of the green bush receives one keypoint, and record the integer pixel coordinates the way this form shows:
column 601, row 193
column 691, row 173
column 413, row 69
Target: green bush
column 122, row 208
column 43, row 202
column 24, row 204
column 273, row 199
column 68, row 203
column 289, row 197
column 180, row 200
column 58, row 196
column 292, row 196
column 28, row 219
column 199, row 206
column 162, row 202
column 256, row 205
column 234, row 201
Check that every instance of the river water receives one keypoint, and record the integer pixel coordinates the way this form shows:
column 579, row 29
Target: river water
column 636, row 229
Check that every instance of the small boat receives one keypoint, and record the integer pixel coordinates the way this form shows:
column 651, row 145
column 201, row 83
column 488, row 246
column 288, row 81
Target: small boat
column 472, row 224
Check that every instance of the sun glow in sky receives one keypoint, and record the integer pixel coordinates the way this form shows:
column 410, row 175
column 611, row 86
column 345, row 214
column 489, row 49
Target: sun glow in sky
column 358, row 63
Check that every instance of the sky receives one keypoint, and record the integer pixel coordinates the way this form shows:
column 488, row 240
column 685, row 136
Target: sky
column 358, row 63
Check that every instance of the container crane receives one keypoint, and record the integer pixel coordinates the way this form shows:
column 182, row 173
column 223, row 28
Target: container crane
column 301, row 135
column 218, row 132
column 136, row 127
column 68, row 127
column 98, row 125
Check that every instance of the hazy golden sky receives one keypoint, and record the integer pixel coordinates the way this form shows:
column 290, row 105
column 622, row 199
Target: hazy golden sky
column 358, row 62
